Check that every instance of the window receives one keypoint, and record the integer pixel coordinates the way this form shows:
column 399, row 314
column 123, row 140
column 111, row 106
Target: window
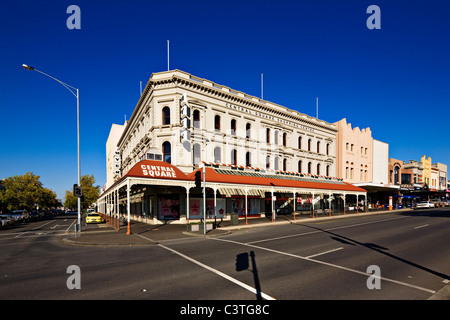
column 309, row 167
column 300, row 142
column 275, row 163
column 196, row 117
column 318, row 146
column 318, row 169
column 196, row 154
column 328, row 149
column 327, row 173
column 284, row 139
column 217, row 123
column 233, row 127
column 299, row 166
column 217, row 154
column 268, row 135
column 248, row 127
column 248, row 159
column 166, row 116
column 309, row 146
column 267, row 162
column 284, row 164
column 275, row 138
column 167, row 153
column 234, row 157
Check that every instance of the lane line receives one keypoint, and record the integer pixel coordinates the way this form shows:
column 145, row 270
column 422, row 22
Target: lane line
column 327, row 264
column 329, row 229
column 217, row 272
column 425, row 225
column 325, row 252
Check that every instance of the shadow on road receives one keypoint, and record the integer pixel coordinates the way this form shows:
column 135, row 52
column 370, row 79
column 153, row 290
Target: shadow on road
column 243, row 264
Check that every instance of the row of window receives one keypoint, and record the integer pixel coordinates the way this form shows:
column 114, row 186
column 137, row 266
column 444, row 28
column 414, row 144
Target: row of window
column 196, row 157
column 248, row 127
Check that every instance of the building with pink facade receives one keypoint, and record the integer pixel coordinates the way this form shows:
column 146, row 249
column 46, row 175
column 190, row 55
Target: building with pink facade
column 354, row 150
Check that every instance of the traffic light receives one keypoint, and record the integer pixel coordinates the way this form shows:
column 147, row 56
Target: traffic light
column 77, row 191
column 185, row 117
column 198, row 179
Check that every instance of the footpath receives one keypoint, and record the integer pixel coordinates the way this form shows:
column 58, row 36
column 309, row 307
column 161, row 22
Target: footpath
column 148, row 234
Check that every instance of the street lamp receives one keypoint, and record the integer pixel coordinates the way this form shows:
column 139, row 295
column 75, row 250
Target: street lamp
column 76, row 93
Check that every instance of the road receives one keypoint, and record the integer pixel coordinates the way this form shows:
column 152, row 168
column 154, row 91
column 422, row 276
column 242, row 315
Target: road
column 323, row 260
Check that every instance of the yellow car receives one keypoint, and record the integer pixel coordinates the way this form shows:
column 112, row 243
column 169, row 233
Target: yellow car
column 93, row 218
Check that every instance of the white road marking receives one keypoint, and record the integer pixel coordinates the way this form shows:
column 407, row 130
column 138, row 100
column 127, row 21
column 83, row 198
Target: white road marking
column 325, row 252
column 425, row 225
column 330, row 229
column 219, row 273
column 325, row 263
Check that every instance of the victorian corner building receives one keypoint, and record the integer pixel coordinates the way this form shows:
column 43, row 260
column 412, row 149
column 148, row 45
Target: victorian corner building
column 259, row 158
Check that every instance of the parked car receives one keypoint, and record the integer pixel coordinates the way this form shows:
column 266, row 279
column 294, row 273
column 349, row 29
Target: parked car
column 20, row 215
column 6, row 221
column 424, row 204
column 93, row 218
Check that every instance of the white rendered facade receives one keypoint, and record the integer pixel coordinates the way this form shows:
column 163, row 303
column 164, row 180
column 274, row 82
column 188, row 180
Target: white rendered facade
column 226, row 126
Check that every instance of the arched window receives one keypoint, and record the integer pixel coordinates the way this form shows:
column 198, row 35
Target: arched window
column 233, row 127
column 284, row 164
column 268, row 135
column 217, row 123
column 300, row 166
column 318, row 169
column 267, row 162
column 309, row 167
column 275, row 137
column 217, row 155
column 248, row 127
column 318, row 146
column 284, row 139
column 196, row 117
column 299, row 142
column 196, row 158
column 309, row 145
column 327, row 171
column 166, row 115
column 328, row 149
column 234, row 157
column 248, row 159
column 167, row 152
column 275, row 163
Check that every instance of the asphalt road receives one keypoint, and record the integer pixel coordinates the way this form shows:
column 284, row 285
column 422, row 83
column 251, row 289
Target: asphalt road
column 324, row 260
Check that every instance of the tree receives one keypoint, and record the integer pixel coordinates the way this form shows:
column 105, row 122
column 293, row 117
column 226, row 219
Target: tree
column 90, row 193
column 26, row 192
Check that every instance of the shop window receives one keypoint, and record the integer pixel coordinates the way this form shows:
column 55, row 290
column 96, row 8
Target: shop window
column 169, row 206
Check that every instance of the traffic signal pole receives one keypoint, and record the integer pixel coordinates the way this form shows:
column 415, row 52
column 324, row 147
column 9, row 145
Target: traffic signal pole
column 204, row 199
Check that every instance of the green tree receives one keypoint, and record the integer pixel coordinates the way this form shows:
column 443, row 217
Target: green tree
column 90, row 193
column 25, row 192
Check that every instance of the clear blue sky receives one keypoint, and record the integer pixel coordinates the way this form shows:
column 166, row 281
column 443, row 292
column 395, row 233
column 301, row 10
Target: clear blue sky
column 395, row 80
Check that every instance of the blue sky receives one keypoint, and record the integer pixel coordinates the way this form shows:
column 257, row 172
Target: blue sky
column 395, row 80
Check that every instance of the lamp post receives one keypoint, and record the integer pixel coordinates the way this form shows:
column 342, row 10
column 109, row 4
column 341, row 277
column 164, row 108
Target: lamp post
column 76, row 93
